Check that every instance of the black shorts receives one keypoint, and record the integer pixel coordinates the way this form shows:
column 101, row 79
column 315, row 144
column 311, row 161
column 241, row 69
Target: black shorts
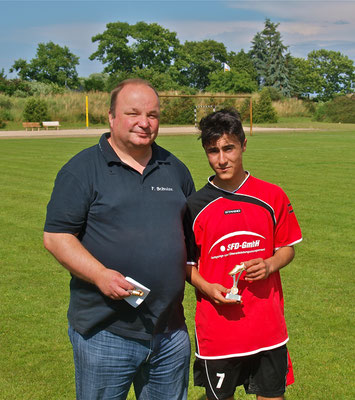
column 263, row 374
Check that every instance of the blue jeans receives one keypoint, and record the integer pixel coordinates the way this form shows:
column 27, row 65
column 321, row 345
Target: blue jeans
column 107, row 364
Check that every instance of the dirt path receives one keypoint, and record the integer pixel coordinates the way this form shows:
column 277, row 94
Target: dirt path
column 176, row 130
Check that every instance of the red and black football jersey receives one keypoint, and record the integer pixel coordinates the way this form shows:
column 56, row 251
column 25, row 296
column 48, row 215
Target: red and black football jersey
column 229, row 229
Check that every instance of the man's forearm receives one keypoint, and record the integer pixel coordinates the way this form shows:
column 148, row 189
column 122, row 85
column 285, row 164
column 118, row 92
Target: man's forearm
column 69, row 252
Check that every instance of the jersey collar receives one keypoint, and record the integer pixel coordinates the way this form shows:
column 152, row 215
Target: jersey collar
column 210, row 179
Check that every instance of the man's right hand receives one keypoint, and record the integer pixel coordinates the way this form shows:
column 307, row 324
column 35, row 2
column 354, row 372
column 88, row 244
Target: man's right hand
column 113, row 284
column 69, row 251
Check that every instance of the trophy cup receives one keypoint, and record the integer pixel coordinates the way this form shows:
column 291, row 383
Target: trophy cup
column 233, row 294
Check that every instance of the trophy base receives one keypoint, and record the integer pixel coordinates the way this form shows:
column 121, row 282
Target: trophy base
column 231, row 296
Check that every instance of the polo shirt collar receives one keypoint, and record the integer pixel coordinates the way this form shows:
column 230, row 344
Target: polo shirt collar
column 158, row 156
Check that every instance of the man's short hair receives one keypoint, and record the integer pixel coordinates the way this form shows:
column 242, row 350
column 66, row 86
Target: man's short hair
column 121, row 85
column 215, row 125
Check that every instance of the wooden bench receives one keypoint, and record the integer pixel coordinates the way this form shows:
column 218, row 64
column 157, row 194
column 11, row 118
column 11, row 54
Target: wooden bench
column 51, row 124
column 31, row 125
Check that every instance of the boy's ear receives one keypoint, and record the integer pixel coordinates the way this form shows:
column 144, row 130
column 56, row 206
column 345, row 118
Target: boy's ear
column 244, row 147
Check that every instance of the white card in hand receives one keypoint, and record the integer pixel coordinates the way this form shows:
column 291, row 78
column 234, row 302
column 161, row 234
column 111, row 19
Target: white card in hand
column 133, row 300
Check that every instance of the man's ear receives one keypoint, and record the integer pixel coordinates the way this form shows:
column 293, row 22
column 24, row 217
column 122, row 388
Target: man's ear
column 110, row 119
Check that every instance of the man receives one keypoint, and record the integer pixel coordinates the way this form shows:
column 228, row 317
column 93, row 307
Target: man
column 116, row 212
column 234, row 220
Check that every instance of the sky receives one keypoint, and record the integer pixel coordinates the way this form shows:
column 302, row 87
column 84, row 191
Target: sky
column 304, row 25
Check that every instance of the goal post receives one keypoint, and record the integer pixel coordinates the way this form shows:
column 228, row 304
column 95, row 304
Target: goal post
column 213, row 97
column 203, row 106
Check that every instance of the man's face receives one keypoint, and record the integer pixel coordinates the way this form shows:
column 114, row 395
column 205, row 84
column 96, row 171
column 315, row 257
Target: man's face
column 136, row 121
column 226, row 159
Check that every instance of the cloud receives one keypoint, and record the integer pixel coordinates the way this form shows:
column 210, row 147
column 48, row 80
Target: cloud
column 309, row 11
column 76, row 36
column 309, row 19
column 304, row 25
column 72, row 35
column 234, row 34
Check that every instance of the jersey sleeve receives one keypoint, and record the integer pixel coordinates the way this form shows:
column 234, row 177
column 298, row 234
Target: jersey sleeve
column 191, row 248
column 287, row 231
column 68, row 206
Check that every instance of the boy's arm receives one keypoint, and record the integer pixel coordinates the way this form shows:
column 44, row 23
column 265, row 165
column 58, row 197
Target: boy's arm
column 214, row 291
column 258, row 268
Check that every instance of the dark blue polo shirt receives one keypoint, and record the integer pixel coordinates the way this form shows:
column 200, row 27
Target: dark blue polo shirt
column 131, row 223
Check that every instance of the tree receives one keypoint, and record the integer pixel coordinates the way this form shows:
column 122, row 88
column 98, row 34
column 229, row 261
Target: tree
column 334, row 71
column 305, row 80
column 270, row 59
column 259, row 56
column 95, row 82
column 123, row 47
column 155, row 46
column 52, row 64
column 196, row 60
column 13, row 86
column 231, row 82
column 263, row 110
column 242, row 62
column 161, row 81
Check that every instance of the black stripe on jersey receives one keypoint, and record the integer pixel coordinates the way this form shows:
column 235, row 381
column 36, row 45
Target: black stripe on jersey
column 209, row 193
column 253, row 200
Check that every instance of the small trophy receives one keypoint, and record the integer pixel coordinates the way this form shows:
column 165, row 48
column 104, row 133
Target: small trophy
column 233, row 294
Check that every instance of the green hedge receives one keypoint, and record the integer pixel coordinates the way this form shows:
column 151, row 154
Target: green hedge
column 339, row 110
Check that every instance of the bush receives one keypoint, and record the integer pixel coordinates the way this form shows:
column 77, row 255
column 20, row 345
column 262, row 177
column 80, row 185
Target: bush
column 263, row 111
column 292, row 107
column 310, row 106
column 339, row 110
column 44, row 89
column 244, row 110
column 12, row 86
column 227, row 103
column 6, row 115
column 5, row 107
column 179, row 111
column 5, row 102
column 36, row 110
column 274, row 93
column 95, row 82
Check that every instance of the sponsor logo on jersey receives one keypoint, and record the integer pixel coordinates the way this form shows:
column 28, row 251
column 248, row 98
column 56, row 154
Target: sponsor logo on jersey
column 237, row 211
column 241, row 242
column 241, row 245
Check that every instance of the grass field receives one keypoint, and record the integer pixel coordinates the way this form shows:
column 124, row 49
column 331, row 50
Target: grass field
column 316, row 169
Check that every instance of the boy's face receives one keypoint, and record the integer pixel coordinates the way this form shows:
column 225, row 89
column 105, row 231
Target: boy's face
column 226, row 159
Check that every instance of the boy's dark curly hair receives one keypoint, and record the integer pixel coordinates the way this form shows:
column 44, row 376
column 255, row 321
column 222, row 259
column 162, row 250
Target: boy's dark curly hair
column 215, row 125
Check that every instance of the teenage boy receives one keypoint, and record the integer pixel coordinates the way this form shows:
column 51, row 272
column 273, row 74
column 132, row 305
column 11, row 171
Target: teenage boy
column 237, row 219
